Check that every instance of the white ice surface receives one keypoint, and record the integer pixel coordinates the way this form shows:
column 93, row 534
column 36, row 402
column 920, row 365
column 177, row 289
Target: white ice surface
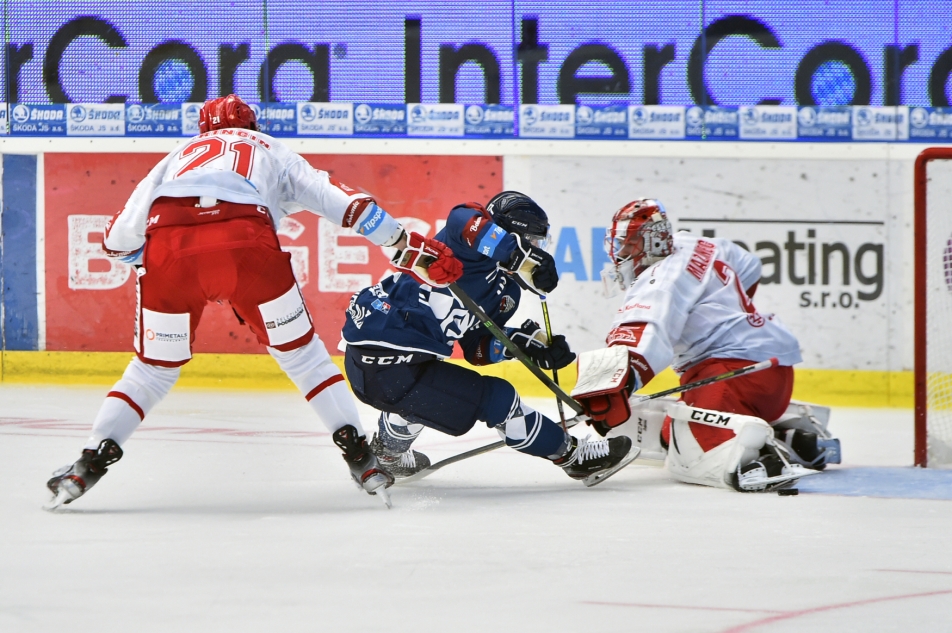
column 233, row 512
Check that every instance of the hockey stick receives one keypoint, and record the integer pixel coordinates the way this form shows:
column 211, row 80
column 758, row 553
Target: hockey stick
column 432, row 468
column 555, row 372
column 749, row 369
column 496, row 331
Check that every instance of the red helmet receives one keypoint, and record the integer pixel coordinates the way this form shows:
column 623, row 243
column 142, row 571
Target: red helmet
column 640, row 233
column 224, row 112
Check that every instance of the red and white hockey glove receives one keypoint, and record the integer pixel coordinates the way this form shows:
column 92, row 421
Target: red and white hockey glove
column 605, row 382
column 428, row 261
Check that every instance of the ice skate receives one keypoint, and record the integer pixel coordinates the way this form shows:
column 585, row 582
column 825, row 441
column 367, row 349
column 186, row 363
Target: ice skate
column 772, row 471
column 595, row 461
column 400, row 464
column 808, row 449
column 71, row 482
column 366, row 470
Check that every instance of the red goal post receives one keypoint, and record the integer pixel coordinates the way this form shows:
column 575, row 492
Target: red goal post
column 933, row 290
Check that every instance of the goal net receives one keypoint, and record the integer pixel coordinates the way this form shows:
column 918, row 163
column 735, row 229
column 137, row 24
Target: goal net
column 933, row 304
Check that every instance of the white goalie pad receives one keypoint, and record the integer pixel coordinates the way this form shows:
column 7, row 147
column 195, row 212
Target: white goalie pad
column 805, row 416
column 601, row 371
column 688, row 462
column 644, row 428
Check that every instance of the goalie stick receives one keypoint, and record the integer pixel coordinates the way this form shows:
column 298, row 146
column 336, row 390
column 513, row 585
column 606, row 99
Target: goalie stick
column 748, row 369
column 496, row 331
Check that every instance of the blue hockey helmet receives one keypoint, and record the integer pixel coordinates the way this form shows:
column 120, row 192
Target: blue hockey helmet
column 518, row 213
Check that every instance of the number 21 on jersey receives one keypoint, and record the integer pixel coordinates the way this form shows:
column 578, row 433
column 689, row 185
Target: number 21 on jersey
column 206, row 150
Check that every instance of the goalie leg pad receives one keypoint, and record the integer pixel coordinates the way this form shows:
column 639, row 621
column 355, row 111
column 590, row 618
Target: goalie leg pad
column 688, row 461
column 603, row 385
column 644, row 428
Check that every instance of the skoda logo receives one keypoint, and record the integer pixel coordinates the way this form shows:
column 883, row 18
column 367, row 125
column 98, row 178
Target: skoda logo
column 750, row 116
column 807, row 117
column 530, row 114
column 21, row 114
column 363, row 113
column 191, row 112
column 308, row 112
column 77, row 114
column 694, row 116
column 639, row 116
column 584, row 115
column 474, row 115
column 919, row 117
column 135, row 113
column 864, row 116
column 418, row 114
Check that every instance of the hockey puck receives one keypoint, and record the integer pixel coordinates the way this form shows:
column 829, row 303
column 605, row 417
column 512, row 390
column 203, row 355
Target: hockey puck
column 788, row 492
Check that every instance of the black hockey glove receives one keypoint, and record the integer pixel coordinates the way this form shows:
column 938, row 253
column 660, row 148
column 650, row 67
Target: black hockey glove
column 532, row 340
column 534, row 268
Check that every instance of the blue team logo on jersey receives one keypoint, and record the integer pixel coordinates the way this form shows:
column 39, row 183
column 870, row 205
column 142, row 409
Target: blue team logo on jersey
column 381, row 306
column 487, row 245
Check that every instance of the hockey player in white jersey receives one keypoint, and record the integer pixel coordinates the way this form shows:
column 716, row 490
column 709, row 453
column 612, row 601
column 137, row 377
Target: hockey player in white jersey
column 201, row 227
column 688, row 304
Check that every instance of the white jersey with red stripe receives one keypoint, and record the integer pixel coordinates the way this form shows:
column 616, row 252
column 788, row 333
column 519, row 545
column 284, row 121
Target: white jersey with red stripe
column 246, row 167
column 693, row 305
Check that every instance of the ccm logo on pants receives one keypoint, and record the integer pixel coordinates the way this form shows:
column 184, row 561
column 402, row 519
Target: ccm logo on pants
column 164, row 336
column 286, row 318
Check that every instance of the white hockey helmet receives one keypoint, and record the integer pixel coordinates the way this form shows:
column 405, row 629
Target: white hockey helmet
column 640, row 235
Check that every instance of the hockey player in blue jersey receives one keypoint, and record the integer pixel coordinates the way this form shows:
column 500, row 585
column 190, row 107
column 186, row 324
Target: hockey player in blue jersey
column 398, row 332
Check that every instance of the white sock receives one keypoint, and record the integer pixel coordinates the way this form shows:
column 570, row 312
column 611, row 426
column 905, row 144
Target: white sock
column 310, row 368
column 141, row 387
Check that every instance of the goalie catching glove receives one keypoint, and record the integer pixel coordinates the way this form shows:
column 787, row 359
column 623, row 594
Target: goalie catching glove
column 428, row 261
column 534, row 268
column 532, row 340
column 605, row 382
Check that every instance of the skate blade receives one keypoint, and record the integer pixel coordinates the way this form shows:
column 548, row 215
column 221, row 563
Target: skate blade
column 57, row 501
column 384, row 495
column 599, row 477
column 771, row 484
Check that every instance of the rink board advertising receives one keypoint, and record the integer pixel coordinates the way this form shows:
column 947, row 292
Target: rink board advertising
column 90, row 298
column 758, row 70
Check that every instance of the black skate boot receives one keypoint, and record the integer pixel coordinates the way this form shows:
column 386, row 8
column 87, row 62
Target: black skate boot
column 367, row 472
column 771, row 471
column 808, row 449
column 595, row 461
column 71, row 482
column 400, row 464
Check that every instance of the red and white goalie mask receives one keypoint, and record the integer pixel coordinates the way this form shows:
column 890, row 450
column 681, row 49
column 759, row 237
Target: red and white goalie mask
column 640, row 235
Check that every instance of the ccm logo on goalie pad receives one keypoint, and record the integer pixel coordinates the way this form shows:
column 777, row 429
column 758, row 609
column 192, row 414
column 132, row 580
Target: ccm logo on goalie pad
column 285, row 318
column 710, row 417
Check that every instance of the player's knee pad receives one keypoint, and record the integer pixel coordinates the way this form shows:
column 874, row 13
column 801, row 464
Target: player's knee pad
column 162, row 338
column 803, row 431
column 286, row 320
column 396, row 432
column 688, row 461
